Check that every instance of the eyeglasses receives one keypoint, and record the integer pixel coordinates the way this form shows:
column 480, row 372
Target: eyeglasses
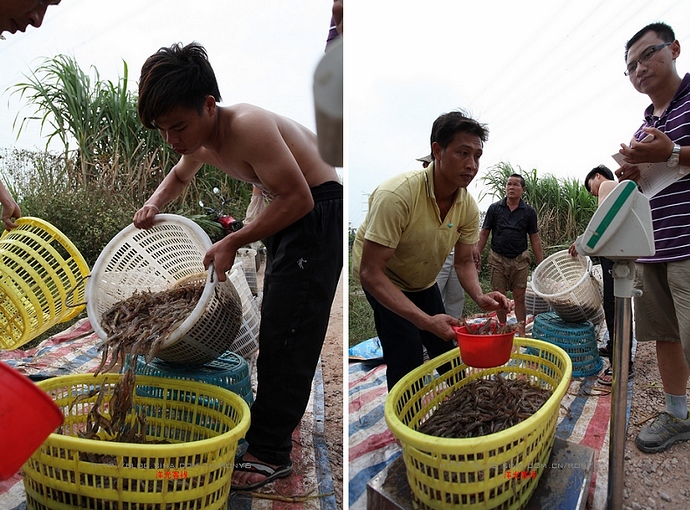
column 649, row 53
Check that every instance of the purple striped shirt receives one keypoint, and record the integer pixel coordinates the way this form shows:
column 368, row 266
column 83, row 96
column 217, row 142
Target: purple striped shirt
column 671, row 206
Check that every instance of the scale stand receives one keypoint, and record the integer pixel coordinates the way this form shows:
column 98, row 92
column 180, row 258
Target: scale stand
column 620, row 230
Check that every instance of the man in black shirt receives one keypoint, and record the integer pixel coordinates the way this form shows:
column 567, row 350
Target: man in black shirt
column 510, row 221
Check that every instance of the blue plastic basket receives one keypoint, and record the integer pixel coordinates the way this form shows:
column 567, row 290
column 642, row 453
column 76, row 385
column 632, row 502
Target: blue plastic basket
column 229, row 371
column 575, row 338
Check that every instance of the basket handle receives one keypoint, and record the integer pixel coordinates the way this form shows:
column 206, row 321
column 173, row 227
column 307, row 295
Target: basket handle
column 211, row 275
column 71, row 292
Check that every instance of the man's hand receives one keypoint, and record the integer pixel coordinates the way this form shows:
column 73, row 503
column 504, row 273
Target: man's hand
column 493, row 301
column 656, row 147
column 144, row 217
column 628, row 172
column 441, row 325
column 222, row 255
column 10, row 212
column 337, row 11
column 477, row 257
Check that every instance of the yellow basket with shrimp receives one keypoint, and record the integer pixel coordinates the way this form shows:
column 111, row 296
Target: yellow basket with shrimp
column 192, row 430
column 499, row 470
column 41, row 271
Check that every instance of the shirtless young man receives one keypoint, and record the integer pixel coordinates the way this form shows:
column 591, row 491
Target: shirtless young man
column 302, row 229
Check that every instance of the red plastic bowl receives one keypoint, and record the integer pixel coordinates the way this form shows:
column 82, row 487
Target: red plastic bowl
column 484, row 351
column 27, row 417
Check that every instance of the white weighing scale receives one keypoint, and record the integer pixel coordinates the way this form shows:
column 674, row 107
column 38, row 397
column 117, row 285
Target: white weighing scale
column 621, row 230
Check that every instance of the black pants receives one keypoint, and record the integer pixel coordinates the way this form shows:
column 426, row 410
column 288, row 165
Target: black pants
column 610, row 302
column 402, row 341
column 303, row 266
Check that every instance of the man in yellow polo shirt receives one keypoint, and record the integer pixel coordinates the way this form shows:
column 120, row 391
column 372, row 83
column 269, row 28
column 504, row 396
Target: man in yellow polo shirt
column 414, row 221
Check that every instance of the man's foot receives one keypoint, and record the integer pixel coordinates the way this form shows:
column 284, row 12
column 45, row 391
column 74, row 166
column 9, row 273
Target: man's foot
column 605, row 351
column 250, row 473
column 606, row 377
column 662, row 433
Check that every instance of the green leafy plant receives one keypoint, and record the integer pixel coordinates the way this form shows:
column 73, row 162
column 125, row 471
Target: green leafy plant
column 564, row 207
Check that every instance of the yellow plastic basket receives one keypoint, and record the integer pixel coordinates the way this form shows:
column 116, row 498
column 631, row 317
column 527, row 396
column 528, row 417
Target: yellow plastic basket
column 39, row 269
column 202, row 422
column 499, row 470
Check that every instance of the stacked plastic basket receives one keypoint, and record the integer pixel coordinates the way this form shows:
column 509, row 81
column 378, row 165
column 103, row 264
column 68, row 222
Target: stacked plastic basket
column 230, row 371
column 577, row 339
column 41, row 274
column 567, row 285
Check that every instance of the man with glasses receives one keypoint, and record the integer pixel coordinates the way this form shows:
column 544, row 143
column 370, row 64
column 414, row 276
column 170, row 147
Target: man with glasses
column 662, row 313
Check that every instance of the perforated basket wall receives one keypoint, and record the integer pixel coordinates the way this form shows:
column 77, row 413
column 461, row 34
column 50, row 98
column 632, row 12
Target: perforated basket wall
column 248, row 258
column 565, row 282
column 230, row 371
column 41, row 273
column 153, row 260
column 201, row 422
column 577, row 339
column 475, row 472
column 534, row 304
column 246, row 342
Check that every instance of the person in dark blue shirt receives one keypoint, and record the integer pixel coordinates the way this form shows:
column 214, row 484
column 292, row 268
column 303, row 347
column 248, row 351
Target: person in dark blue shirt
column 510, row 222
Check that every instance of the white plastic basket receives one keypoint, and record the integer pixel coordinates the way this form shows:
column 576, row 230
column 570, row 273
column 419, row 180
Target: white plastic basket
column 565, row 282
column 248, row 258
column 534, row 304
column 247, row 341
column 153, row 260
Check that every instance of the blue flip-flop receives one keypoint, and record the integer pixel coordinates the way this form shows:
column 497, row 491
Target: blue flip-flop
column 258, row 467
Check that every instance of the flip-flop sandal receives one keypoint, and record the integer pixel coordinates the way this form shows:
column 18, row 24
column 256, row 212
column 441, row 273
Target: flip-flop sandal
column 606, row 379
column 258, row 467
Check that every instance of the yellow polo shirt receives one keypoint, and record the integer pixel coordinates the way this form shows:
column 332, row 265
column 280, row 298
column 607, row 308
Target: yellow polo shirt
column 403, row 214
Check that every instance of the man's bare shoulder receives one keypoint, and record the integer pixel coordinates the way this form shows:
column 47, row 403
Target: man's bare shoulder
column 248, row 116
column 252, row 120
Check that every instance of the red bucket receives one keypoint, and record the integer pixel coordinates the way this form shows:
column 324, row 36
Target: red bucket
column 27, row 417
column 484, row 351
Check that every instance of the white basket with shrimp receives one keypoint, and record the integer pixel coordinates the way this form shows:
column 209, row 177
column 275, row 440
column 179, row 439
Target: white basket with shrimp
column 567, row 284
column 153, row 260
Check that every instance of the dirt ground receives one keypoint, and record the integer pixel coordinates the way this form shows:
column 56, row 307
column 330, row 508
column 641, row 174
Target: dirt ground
column 653, row 480
column 332, row 361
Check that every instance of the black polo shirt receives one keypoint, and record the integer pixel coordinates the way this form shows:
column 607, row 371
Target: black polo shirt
column 509, row 229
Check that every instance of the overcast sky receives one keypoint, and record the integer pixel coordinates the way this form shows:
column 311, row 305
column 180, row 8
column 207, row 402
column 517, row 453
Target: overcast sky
column 263, row 52
column 547, row 78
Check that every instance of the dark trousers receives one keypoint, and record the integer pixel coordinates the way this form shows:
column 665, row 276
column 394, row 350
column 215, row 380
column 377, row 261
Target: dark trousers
column 303, row 266
column 402, row 341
